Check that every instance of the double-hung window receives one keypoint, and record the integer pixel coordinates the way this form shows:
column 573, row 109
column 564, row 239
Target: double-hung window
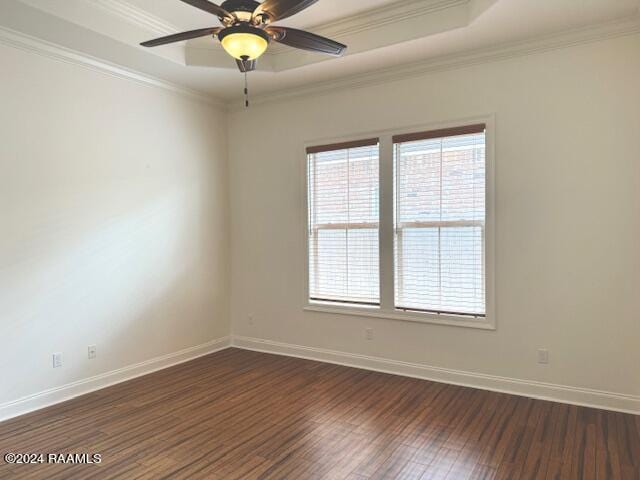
column 440, row 221
column 426, row 257
column 343, row 200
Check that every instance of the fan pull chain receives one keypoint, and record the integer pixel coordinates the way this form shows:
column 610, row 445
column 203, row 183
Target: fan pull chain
column 246, row 91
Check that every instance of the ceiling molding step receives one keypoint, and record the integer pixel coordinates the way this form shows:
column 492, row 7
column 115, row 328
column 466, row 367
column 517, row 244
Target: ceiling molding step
column 90, row 14
column 196, row 54
column 136, row 16
column 218, row 58
column 388, row 25
column 396, row 23
column 32, row 44
column 575, row 37
column 385, row 15
column 115, row 19
column 413, row 27
column 478, row 7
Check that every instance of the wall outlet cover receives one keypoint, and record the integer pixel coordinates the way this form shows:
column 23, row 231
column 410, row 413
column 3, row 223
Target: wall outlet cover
column 57, row 360
column 543, row 356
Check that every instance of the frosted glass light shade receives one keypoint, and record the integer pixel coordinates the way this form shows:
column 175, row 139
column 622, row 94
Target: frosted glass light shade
column 244, row 46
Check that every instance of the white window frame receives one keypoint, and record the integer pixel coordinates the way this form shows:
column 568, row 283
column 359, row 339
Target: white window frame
column 387, row 309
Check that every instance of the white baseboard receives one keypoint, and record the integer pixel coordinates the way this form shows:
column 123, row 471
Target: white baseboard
column 543, row 391
column 55, row 395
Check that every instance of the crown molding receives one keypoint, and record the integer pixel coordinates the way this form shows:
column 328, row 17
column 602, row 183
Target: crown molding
column 372, row 19
column 117, row 20
column 387, row 25
column 135, row 16
column 628, row 26
column 31, row 44
column 579, row 36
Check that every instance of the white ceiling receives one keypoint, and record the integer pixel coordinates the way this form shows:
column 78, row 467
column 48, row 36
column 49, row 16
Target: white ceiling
column 380, row 34
column 323, row 11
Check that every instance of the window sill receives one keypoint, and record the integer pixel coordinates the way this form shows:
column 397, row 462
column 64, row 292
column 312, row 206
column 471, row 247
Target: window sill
column 415, row 317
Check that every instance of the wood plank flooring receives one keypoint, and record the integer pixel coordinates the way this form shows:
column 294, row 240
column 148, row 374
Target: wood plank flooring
column 244, row 415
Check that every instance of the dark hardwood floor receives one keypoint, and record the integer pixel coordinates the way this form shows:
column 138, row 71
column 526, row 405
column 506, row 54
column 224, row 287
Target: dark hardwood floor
column 244, row 415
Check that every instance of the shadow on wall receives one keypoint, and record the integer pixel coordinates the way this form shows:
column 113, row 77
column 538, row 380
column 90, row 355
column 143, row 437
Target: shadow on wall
column 137, row 283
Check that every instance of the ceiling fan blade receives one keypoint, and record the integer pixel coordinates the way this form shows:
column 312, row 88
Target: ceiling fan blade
column 246, row 65
column 210, row 8
column 279, row 9
column 306, row 40
column 178, row 37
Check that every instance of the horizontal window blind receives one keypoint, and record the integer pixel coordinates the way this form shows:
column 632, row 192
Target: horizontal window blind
column 439, row 242
column 343, row 205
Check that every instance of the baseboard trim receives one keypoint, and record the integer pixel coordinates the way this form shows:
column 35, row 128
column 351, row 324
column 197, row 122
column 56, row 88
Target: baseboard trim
column 66, row 392
column 543, row 391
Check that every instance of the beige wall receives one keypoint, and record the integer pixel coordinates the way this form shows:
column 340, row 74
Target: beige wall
column 567, row 216
column 114, row 219
column 113, row 222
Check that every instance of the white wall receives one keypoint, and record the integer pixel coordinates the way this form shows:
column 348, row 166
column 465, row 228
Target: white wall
column 567, row 216
column 113, row 222
column 114, row 219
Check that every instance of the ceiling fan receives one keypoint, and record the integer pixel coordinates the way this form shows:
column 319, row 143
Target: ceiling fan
column 247, row 29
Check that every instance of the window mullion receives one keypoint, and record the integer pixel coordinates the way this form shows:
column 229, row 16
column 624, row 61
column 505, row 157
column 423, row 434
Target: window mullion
column 386, row 231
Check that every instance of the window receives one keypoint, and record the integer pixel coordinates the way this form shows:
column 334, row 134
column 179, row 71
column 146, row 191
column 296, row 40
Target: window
column 400, row 226
column 343, row 200
column 440, row 221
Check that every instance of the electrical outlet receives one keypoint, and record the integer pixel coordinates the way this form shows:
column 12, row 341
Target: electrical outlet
column 543, row 356
column 57, row 360
column 368, row 333
column 92, row 352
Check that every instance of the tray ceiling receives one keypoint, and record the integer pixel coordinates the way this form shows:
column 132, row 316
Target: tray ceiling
column 381, row 34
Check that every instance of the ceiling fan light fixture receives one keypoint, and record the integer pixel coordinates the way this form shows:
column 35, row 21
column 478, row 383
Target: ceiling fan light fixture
column 244, row 42
column 246, row 29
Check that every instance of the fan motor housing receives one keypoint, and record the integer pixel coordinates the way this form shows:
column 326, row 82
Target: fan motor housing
column 240, row 6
